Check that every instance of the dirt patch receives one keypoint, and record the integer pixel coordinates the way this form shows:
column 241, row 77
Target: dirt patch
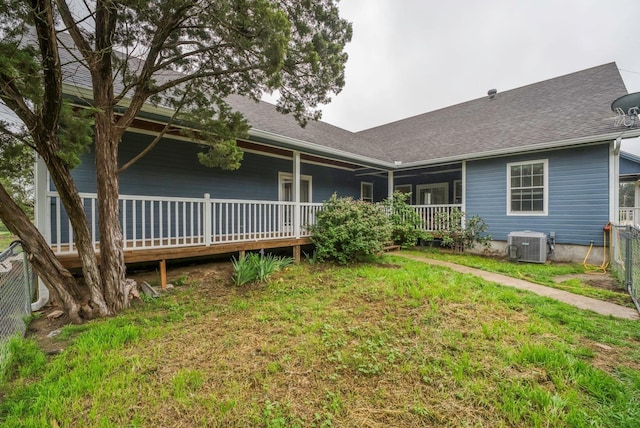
column 43, row 330
column 598, row 280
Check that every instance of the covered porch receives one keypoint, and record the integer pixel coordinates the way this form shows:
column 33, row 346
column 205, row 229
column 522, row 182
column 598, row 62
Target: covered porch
column 164, row 228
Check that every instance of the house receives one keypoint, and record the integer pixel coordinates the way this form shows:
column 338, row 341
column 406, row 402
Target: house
column 629, row 189
column 544, row 157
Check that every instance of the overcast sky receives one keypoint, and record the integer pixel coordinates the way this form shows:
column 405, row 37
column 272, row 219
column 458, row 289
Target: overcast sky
column 413, row 56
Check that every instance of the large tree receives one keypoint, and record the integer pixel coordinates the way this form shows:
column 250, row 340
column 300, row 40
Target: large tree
column 186, row 55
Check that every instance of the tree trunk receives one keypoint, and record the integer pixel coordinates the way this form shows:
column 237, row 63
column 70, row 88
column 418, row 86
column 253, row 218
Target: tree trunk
column 44, row 262
column 106, row 145
column 111, row 242
column 82, row 236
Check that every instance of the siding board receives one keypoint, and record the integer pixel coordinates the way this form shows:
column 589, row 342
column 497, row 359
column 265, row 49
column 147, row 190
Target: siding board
column 578, row 195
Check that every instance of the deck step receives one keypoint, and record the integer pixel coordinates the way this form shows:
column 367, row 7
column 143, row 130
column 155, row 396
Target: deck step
column 390, row 246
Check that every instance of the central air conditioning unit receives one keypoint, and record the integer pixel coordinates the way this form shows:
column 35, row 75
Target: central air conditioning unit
column 530, row 246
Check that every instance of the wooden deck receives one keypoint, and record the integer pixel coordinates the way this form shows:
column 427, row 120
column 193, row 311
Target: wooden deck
column 139, row 255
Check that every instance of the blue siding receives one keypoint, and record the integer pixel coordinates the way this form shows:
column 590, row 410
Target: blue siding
column 578, row 195
column 172, row 169
column 629, row 165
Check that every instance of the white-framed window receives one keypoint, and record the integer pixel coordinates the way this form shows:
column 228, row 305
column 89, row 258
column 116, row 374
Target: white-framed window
column 457, row 191
column 366, row 191
column 285, row 187
column 528, row 187
column 432, row 194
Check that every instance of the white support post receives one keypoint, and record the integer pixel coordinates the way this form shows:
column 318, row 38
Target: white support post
column 296, row 193
column 41, row 189
column 390, row 185
column 207, row 219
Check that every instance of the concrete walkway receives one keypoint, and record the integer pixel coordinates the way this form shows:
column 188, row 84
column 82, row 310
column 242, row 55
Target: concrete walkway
column 582, row 302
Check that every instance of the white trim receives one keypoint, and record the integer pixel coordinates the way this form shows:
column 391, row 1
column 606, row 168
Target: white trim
column 86, row 94
column 362, row 186
column 444, row 185
column 545, row 189
column 390, row 185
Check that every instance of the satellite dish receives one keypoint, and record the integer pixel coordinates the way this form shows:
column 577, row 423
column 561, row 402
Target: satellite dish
column 627, row 102
column 627, row 109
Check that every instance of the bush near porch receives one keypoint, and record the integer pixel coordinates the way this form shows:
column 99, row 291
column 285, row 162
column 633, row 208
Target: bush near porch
column 396, row 343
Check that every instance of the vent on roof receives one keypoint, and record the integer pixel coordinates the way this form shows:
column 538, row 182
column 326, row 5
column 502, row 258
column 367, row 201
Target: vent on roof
column 531, row 246
column 492, row 93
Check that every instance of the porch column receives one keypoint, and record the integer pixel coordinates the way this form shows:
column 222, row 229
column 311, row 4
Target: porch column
column 296, row 193
column 390, row 185
column 41, row 187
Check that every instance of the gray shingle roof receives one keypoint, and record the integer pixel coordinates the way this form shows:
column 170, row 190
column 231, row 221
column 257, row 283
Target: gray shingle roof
column 564, row 108
column 263, row 116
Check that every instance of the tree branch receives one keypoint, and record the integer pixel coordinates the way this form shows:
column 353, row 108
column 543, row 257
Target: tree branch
column 157, row 139
column 74, row 30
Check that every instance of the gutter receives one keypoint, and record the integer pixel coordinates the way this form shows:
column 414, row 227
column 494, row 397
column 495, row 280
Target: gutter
column 541, row 146
column 294, row 143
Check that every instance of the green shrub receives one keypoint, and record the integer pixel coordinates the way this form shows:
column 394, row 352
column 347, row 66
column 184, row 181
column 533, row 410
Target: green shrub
column 348, row 230
column 405, row 220
column 457, row 237
column 257, row 267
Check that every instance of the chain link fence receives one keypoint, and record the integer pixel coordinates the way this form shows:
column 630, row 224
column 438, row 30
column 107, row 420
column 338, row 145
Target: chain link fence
column 627, row 259
column 17, row 280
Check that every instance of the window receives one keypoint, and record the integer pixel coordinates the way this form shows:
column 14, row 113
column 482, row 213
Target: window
column 527, row 187
column 457, row 191
column 366, row 191
column 403, row 188
column 432, row 194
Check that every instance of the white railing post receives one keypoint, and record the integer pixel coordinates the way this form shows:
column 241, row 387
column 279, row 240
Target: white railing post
column 207, row 219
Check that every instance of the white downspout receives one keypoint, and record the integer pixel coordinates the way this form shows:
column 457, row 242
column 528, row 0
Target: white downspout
column 40, row 210
column 614, row 180
column 390, row 185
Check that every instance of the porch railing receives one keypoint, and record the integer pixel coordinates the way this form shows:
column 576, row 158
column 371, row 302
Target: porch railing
column 149, row 222
column 629, row 216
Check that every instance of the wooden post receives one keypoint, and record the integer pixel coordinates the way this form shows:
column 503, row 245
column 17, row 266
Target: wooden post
column 163, row 274
column 241, row 254
column 296, row 253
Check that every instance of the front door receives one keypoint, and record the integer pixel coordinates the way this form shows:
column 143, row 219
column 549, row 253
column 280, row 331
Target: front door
column 285, row 194
column 433, row 194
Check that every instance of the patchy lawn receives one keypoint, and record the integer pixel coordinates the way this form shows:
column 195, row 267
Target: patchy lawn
column 398, row 343
column 571, row 277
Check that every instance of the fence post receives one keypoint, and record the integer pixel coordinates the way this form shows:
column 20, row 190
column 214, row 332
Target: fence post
column 628, row 259
column 207, row 219
column 27, row 280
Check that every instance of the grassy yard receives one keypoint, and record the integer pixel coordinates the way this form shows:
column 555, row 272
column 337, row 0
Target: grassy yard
column 398, row 343
column 544, row 274
column 5, row 237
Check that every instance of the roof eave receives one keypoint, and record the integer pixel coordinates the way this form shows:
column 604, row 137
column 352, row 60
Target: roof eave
column 632, row 133
column 296, row 144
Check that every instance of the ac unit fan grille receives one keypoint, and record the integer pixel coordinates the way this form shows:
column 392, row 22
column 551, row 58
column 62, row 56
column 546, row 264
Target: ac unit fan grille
column 531, row 246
